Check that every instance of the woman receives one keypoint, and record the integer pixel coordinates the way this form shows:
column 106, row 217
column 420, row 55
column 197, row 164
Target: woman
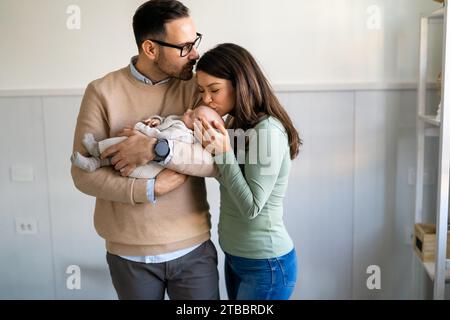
column 260, row 258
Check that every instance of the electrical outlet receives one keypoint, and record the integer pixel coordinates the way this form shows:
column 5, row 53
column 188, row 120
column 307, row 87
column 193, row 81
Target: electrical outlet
column 22, row 173
column 26, row 226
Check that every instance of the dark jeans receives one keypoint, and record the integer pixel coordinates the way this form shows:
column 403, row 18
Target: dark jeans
column 261, row 279
column 190, row 277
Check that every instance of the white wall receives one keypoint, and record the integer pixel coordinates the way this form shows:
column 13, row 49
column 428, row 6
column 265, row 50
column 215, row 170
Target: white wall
column 297, row 42
column 322, row 41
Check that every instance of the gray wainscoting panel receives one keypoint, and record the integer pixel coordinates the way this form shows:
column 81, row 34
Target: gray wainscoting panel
column 349, row 203
column 212, row 188
column 318, row 204
column 384, row 192
column 26, row 270
column 75, row 241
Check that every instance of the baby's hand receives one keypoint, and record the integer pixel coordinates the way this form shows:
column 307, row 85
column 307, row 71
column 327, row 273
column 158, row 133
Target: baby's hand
column 155, row 123
column 152, row 122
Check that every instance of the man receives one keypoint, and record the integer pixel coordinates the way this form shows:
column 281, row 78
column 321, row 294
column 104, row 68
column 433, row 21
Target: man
column 157, row 231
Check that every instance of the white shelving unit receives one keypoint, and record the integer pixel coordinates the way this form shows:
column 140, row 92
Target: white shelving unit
column 429, row 126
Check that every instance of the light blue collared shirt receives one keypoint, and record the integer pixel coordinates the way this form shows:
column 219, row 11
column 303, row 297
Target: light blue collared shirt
column 151, row 185
column 140, row 77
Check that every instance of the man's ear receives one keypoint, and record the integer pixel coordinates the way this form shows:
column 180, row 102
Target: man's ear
column 149, row 49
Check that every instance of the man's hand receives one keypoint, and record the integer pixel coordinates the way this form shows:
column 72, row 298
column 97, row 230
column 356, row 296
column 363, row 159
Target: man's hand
column 135, row 151
column 168, row 180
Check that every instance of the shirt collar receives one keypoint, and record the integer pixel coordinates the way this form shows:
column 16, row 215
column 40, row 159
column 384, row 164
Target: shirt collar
column 140, row 77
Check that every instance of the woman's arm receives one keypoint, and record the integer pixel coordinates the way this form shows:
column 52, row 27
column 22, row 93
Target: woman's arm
column 250, row 193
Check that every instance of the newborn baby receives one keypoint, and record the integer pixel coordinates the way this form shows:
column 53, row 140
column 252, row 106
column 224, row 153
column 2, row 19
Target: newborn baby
column 171, row 128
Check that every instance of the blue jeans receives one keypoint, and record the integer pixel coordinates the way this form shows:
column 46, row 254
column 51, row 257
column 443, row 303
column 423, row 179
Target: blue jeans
column 261, row 279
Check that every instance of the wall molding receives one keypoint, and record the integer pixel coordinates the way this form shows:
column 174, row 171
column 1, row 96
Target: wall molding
column 279, row 87
column 47, row 92
column 351, row 86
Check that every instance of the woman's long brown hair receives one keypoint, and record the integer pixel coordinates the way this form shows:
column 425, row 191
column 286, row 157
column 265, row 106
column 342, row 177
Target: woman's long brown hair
column 254, row 95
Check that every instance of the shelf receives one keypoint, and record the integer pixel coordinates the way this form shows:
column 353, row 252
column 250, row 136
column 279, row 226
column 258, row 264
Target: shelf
column 429, row 267
column 438, row 14
column 430, row 119
column 429, row 126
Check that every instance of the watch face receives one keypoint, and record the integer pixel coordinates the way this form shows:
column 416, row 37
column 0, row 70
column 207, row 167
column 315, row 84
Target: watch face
column 162, row 149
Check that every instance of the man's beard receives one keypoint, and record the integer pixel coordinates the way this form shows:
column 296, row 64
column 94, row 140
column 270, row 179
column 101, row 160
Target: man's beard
column 186, row 72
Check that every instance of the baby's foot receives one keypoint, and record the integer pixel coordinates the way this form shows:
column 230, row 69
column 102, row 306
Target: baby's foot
column 91, row 145
column 88, row 164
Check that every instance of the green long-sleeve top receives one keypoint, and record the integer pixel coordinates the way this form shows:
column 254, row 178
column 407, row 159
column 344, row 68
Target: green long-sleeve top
column 251, row 203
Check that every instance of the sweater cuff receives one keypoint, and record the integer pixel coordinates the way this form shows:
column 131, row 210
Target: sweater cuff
column 140, row 191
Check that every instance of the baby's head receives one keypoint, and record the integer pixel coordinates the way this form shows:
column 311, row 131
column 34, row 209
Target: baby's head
column 190, row 116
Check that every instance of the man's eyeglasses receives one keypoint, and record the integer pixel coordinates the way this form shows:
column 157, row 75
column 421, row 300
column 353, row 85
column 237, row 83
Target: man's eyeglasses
column 184, row 49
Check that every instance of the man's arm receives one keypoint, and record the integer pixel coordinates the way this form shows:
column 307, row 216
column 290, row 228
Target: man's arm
column 168, row 180
column 104, row 183
column 186, row 158
column 189, row 159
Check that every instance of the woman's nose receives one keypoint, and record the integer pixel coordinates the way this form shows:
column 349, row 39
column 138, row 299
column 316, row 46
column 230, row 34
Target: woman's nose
column 207, row 98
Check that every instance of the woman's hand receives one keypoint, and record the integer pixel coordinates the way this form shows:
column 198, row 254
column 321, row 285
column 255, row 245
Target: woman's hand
column 214, row 141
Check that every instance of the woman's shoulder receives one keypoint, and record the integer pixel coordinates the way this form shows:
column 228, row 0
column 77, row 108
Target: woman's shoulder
column 271, row 123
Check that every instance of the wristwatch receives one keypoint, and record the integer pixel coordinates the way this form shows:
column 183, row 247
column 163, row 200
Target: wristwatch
column 161, row 149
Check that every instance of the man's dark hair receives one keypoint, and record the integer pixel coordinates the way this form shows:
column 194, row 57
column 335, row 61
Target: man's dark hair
column 150, row 18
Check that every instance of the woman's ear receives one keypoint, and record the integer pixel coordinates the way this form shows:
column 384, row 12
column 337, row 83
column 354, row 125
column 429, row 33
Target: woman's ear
column 149, row 48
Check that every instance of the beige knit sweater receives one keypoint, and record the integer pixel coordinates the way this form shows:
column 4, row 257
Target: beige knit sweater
column 123, row 215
